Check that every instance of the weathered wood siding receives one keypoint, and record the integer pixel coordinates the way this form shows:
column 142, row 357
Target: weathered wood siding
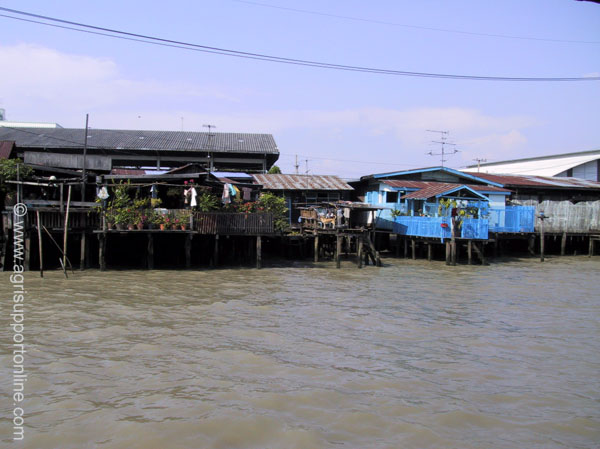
column 564, row 216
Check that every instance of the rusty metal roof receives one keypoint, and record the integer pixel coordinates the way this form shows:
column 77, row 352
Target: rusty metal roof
column 557, row 182
column 301, row 182
column 6, row 148
column 433, row 184
column 127, row 171
column 140, row 140
column 437, row 189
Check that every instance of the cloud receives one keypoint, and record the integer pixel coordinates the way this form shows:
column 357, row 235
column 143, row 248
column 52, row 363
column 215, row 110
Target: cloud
column 36, row 78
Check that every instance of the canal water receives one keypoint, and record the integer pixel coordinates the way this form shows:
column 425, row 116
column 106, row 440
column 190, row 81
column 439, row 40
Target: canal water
column 411, row 355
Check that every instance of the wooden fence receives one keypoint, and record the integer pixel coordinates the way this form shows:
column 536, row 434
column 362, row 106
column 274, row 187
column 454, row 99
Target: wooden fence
column 564, row 216
column 54, row 219
column 233, row 223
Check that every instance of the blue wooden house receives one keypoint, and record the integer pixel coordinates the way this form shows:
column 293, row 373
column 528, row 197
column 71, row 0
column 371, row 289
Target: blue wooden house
column 422, row 202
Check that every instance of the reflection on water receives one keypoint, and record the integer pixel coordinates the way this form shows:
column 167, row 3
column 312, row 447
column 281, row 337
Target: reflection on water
column 411, row 355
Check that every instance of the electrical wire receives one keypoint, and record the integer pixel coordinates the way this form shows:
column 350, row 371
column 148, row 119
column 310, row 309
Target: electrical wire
column 283, row 60
column 417, row 27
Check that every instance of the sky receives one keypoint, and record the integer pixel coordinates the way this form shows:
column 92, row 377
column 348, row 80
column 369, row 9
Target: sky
column 334, row 122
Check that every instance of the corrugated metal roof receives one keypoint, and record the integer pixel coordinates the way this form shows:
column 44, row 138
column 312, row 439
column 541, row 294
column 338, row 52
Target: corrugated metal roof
column 6, row 148
column 539, row 181
column 301, row 182
column 127, row 171
column 141, row 140
column 426, row 184
column 435, row 189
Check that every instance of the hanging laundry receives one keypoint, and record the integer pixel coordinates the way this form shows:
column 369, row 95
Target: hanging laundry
column 154, row 191
column 237, row 191
column 247, row 193
column 231, row 190
column 226, row 199
column 193, row 195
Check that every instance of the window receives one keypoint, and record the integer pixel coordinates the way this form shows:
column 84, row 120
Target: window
column 391, row 197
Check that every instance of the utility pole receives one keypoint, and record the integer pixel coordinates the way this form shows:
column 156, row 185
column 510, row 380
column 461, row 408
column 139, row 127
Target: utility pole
column 479, row 161
column 83, row 172
column 443, row 142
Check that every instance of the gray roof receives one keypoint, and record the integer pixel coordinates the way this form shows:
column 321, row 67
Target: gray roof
column 140, row 140
column 301, row 182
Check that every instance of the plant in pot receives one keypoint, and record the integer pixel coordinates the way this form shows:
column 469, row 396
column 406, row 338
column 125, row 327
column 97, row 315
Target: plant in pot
column 184, row 219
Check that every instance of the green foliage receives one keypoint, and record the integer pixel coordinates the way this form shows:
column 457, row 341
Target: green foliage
column 275, row 205
column 274, row 170
column 8, row 172
column 396, row 213
column 207, row 202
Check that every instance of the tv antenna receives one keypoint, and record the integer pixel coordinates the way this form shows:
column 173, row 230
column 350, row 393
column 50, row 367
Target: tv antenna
column 296, row 165
column 443, row 142
column 479, row 161
column 209, row 128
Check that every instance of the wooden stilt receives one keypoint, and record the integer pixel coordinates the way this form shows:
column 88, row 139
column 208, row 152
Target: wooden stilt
column 66, row 228
column 258, row 251
column 82, row 249
column 150, row 252
column 188, row 250
column 405, row 247
column 413, row 244
column 453, row 251
column 397, row 245
column 531, row 245
column 27, row 261
column 316, row 247
column 102, row 251
column 215, row 259
column 4, row 250
column 39, row 231
column 542, row 242
column 359, row 252
column 429, row 252
column 563, row 244
column 470, row 251
column 448, row 257
column 338, row 251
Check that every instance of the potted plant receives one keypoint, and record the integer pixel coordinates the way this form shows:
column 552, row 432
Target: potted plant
column 184, row 219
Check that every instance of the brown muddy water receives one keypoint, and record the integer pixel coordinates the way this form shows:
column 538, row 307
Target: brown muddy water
column 411, row 355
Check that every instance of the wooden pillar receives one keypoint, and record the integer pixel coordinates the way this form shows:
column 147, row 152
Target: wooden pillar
column 397, row 245
column 338, row 251
column 27, row 261
column 531, row 245
column 102, row 251
column 150, row 252
column 406, row 247
column 453, row 251
column 496, row 244
column 591, row 248
column 82, row 251
column 215, row 259
column 316, row 247
column 39, row 232
column 563, row 244
column 413, row 244
column 359, row 251
column 542, row 243
column 429, row 252
column 482, row 253
column 448, row 259
column 470, row 251
column 188, row 250
column 258, row 251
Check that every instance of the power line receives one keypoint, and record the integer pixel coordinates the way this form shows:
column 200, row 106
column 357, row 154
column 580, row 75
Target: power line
column 262, row 57
column 417, row 27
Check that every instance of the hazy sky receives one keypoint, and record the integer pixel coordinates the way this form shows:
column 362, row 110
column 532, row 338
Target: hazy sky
column 344, row 123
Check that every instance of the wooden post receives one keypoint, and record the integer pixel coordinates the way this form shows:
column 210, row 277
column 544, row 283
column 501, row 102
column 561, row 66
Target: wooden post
column 453, row 249
column 4, row 250
column 66, row 228
column 82, row 249
column 216, row 252
column 482, row 253
column 448, row 260
column 39, row 230
column 542, row 241
column 338, row 251
column 62, row 194
column 359, row 251
column 470, row 251
column 406, row 247
column 188, row 250
column 591, row 248
column 150, row 251
column 397, row 245
column 429, row 252
column 531, row 245
column 27, row 261
column 563, row 244
column 316, row 247
column 102, row 251
column 413, row 244
column 258, row 251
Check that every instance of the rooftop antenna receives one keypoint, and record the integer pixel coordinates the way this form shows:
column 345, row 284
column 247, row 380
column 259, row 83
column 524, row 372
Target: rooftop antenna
column 297, row 166
column 443, row 142
column 479, row 161
column 306, row 173
column 210, row 161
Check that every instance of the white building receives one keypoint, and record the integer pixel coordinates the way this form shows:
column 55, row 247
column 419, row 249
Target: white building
column 582, row 165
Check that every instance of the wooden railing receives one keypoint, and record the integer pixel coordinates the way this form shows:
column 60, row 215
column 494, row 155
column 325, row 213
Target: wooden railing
column 54, row 219
column 233, row 223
